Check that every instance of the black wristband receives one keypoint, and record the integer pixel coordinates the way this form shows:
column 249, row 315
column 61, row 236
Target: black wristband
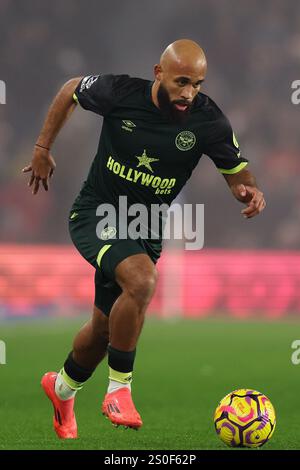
column 38, row 145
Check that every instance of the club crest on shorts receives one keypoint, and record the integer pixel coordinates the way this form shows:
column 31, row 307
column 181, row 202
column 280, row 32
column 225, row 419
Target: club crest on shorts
column 108, row 233
column 185, row 140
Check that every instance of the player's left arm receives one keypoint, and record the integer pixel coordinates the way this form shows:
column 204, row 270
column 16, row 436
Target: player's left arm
column 244, row 188
column 223, row 148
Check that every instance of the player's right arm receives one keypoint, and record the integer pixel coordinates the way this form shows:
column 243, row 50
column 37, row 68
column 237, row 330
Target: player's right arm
column 42, row 164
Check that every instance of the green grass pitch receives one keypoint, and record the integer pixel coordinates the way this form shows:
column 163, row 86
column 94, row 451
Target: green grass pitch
column 183, row 368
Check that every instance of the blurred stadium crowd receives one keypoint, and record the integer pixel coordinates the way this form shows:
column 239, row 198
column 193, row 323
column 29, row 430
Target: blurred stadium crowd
column 253, row 52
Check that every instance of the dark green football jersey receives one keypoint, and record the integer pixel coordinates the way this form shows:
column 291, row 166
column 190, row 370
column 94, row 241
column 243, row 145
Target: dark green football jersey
column 142, row 154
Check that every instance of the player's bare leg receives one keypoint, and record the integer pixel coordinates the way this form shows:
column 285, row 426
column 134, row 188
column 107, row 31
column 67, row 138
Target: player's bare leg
column 89, row 348
column 90, row 344
column 136, row 275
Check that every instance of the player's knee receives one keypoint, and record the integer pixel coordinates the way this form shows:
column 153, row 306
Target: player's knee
column 137, row 276
column 141, row 285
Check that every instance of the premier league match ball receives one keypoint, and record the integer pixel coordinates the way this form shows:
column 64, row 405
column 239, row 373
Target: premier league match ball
column 245, row 418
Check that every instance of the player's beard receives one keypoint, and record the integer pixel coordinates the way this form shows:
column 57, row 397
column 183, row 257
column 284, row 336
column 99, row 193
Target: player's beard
column 168, row 108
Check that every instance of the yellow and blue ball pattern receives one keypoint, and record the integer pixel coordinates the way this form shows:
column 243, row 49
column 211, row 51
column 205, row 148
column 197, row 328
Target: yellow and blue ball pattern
column 245, row 418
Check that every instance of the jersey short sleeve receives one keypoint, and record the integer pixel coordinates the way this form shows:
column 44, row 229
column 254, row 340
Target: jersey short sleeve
column 223, row 148
column 99, row 93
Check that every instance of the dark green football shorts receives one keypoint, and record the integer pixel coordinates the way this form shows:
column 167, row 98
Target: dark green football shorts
column 105, row 251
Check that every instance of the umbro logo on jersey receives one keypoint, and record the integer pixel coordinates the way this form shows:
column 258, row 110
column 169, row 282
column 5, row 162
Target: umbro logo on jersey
column 128, row 125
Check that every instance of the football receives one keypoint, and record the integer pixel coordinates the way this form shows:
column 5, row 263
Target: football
column 245, row 418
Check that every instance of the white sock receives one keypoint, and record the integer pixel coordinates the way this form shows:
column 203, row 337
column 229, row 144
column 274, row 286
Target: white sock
column 114, row 385
column 62, row 389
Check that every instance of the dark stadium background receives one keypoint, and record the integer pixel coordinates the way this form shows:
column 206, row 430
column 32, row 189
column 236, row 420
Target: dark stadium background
column 224, row 317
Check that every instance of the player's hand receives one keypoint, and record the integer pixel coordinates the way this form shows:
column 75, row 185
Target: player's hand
column 42, row 167
column 252, row 197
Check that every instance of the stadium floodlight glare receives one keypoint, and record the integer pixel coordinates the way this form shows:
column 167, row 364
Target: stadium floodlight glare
column 2, row 92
